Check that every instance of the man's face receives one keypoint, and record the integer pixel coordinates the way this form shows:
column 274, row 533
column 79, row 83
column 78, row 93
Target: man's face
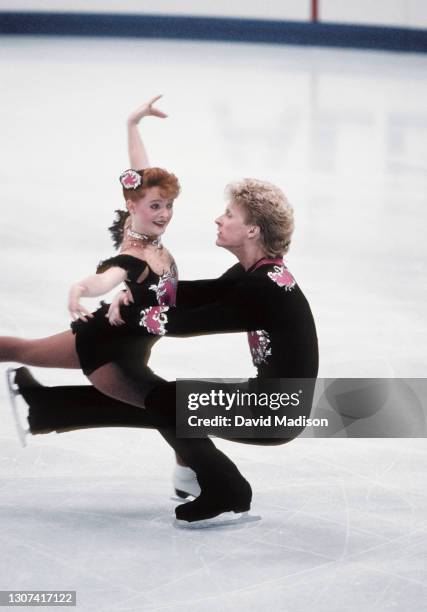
column 232, row 229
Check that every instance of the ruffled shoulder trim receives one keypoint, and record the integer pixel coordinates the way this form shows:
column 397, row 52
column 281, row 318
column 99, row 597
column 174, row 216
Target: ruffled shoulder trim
column 133, row 266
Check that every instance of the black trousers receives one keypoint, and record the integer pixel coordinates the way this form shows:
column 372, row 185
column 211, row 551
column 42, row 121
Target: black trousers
column 69, row 408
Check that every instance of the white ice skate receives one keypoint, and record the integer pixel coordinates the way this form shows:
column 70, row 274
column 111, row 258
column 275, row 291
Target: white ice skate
column 13, row 393
column 185, row 483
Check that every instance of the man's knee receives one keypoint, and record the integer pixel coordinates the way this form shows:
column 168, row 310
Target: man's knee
column 162, row 397
column 262, row 441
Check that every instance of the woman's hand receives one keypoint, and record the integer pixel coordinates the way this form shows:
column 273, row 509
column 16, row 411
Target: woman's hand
column 113, row 314
column 77, row 311
column 146, row 110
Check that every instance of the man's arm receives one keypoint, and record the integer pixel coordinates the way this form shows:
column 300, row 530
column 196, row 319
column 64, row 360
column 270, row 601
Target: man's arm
column 206, row 291
column 242, row 309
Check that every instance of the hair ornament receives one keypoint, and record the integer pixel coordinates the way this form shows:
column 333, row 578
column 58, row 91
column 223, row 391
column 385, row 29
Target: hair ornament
column 131, row 179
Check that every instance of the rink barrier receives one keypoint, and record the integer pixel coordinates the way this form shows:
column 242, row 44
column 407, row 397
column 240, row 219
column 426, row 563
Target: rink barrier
column 214, row 29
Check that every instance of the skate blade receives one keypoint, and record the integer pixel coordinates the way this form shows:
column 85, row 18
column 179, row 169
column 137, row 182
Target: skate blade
column 183, row 496
column 13, row 393
column 225, row 519
column 182, row 500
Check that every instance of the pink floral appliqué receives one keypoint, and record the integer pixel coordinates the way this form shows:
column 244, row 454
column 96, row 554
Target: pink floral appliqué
column 259, row 344
column 154, row 319
column 166, row 288
column 282, row 277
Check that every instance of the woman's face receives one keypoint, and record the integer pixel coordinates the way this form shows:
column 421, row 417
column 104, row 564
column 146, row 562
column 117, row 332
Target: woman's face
column 152, row 213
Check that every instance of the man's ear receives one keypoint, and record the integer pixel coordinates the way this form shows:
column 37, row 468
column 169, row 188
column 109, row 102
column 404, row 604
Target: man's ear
column 254, row 231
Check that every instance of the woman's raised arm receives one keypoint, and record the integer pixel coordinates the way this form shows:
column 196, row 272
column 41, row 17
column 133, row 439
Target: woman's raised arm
column 138, row 157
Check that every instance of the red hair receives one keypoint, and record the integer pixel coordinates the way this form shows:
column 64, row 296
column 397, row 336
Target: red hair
column 154, row 177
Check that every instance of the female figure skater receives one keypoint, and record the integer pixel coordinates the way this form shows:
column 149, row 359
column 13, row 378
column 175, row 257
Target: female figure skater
column 110, row 355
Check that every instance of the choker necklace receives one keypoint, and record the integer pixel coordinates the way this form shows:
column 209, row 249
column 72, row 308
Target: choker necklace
column 135, row 236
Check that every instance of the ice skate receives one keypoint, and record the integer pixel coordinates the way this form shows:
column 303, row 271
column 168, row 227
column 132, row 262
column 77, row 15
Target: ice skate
column 211, row 509
column 14, row 392
column 20, row 380
column 185, row 483
column 224, row 519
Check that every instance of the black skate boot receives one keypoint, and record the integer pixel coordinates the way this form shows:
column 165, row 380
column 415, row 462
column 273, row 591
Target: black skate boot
column 219, row 503
column 24, row 379
column 19, row 382
column 22, row 384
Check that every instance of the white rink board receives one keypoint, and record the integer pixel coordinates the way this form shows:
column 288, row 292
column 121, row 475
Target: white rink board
column 245, row 9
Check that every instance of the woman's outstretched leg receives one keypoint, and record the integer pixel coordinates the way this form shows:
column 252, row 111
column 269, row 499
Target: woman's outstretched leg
column 58, row 351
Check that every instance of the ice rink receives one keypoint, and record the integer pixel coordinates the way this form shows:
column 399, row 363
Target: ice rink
column 344, row 133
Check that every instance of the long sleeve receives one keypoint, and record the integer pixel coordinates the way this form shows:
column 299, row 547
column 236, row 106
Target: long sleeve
column 241, row 309
column 266, row 303
column 206, row 291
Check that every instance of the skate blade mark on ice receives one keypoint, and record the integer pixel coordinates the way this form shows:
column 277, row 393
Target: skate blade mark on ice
column 13, row 393
column 226, row 519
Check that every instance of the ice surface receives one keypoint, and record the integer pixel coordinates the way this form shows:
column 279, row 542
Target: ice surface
column 344, row 134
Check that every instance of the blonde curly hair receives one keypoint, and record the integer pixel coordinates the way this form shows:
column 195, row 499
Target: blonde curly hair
column 266, row 206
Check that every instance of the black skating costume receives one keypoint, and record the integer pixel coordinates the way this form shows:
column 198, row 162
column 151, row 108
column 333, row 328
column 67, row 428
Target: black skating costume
column 98, row 342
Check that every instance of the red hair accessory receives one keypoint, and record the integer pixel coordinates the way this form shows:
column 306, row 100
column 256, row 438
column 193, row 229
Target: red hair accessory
column 131, row 179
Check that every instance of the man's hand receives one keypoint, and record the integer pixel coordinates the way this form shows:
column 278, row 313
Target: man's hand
column 113, row 314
